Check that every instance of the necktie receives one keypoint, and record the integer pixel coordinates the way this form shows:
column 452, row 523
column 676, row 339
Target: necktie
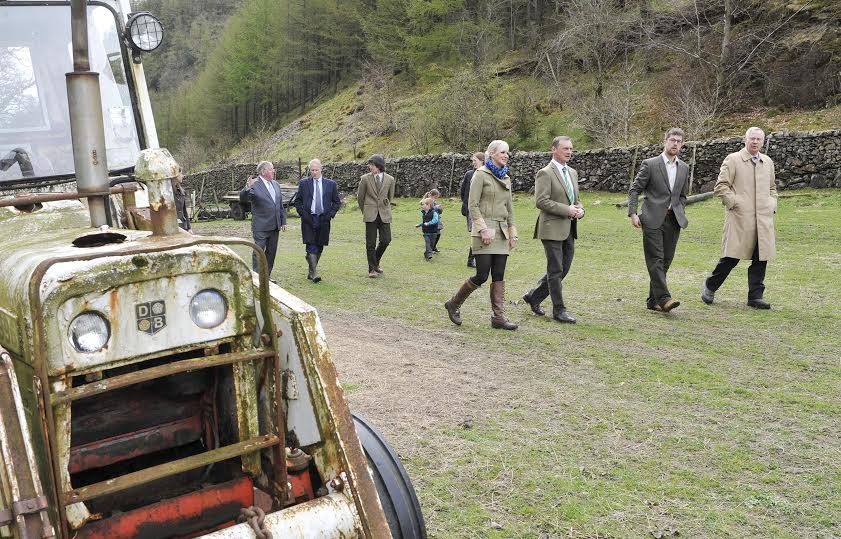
column 380, row 180
column 568, row 185
column 319, row 209
column 269, row 186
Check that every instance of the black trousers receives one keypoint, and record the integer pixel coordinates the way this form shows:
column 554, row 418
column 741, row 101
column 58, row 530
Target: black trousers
column 373, row 250
column 559, row 255
column 659, row 246
column 267, row 241
column 315, row 226
column 756, row 274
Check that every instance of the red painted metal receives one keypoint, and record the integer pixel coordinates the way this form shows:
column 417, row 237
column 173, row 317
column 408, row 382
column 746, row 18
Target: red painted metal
column 134, row 444
column 182, row 516
column 301, row 486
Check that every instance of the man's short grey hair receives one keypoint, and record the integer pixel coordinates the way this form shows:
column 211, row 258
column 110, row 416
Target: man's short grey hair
column 751, row 130
column 316, row 160
column 557, row 140
column 263, row 165
column 676, row 131
column 496, row 146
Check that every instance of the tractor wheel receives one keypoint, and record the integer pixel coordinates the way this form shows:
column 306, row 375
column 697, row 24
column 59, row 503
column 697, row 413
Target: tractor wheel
column 397, row 495
column 237, row 211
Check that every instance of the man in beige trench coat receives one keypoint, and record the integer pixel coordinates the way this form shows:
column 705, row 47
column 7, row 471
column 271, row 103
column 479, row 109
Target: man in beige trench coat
column 747, row 188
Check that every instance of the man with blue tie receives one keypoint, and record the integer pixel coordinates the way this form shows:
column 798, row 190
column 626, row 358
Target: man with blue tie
column 268, row 217
column 317, row 203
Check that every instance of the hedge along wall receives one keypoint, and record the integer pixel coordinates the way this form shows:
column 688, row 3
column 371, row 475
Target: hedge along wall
column 806, row 159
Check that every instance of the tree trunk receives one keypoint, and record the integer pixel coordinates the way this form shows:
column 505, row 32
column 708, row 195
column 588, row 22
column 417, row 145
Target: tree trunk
column 725, row 49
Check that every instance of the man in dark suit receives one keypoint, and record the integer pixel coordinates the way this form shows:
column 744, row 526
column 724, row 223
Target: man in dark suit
column 375, row 193
column 317, row 202
column 268, row 217
column 556, row 196
column 664, row 180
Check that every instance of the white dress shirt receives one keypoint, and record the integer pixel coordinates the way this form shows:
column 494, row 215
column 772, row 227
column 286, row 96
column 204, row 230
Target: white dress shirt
column 269, row 187
column 671, row 170
column 317, row 193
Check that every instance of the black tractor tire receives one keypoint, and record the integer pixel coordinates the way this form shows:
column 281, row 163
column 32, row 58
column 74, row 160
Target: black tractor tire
column 237, row 211
column 397, row 495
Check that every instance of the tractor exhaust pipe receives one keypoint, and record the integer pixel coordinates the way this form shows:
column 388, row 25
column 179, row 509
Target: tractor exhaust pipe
column 87, row 127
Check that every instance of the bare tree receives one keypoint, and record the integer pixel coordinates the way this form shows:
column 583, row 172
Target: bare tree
column 380, row 98
column 612, row 118
column 730, row 57
column 594, row 36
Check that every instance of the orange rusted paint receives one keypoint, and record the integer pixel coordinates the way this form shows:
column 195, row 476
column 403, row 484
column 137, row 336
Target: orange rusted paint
column 204, row 510
column 301, row 486
column 128, row 446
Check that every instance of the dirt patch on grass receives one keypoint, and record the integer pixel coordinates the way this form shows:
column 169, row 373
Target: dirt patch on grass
column 408, row 381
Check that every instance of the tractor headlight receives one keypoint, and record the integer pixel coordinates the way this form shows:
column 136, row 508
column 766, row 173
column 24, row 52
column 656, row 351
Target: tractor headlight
column 144, row 31
column 89, row 332
column 208, row 308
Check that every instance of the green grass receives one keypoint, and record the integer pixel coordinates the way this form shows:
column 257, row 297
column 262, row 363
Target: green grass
column 715, row 421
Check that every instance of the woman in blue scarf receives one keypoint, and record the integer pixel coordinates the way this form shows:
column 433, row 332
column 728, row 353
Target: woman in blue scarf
column 494, row 234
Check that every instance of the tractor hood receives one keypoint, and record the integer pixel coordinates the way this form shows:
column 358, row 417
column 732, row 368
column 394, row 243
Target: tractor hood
column 141, row 287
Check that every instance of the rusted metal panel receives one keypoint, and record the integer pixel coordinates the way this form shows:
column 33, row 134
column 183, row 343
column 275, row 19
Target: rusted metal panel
column 332, row 409
column 329, row 517
column 200, row 510
column 340, row 451
column 170, row 468
column 26, row 493
column 125, row 380
column 128, row 446
column 245, row 384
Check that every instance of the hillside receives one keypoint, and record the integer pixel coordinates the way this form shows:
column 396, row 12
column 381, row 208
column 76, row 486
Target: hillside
column 331, row 129
column 421, row 76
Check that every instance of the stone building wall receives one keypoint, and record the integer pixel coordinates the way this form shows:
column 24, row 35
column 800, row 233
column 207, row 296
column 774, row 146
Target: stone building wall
column 805, row 159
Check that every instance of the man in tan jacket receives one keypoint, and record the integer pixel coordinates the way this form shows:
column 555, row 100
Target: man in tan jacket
column 748, row 190
column 556, row 196
column 376, row 190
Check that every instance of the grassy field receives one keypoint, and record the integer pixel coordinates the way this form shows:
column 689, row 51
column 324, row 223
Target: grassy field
column 711, row 421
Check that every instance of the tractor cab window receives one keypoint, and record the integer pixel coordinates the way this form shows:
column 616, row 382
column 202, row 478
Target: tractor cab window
column 35, row 55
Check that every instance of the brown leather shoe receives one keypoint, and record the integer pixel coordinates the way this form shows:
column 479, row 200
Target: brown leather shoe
column 373, row 274
column 668, row 305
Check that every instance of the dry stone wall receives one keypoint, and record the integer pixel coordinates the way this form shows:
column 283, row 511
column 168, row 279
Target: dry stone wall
column 803, row 159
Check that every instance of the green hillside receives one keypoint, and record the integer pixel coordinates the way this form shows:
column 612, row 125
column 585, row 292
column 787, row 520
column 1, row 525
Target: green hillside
column 289, row 78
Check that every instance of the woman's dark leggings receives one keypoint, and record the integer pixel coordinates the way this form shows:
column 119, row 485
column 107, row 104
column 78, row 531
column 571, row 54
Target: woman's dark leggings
column 489, row 264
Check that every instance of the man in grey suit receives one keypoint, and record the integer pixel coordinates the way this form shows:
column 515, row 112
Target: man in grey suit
column 268, row 217
column 664, row 180
column 556, row 196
